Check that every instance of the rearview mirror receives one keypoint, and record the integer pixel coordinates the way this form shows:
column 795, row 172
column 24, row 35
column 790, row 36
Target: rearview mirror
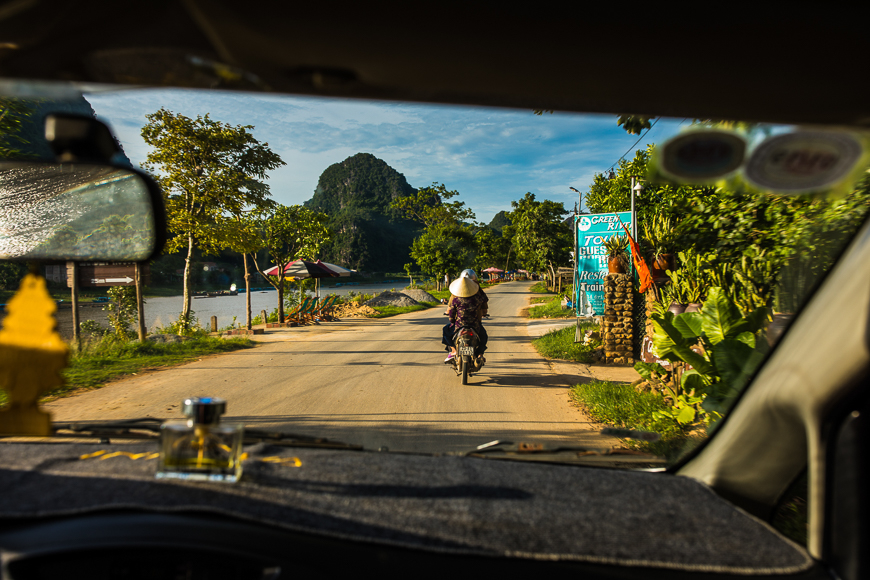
column 74, row 211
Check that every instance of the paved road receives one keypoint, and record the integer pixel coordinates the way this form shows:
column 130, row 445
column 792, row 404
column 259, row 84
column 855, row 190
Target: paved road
column 373, row 382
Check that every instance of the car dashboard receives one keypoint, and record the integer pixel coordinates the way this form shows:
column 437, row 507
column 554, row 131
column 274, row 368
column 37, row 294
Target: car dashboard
column 96, row 510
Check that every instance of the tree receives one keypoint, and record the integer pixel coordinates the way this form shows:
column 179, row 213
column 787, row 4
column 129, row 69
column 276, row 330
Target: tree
column 634, row 124
column 290, row 233
column 446, row 245
column 491, row 248
column 13, row 114
column 611, row 192
column 443, row 249
column 11, row 274
column 208, row 170
column 244, row 237
column 539, row 233
column 122, row 309
column 408, row 267
column 428, row 206
column 768, row 250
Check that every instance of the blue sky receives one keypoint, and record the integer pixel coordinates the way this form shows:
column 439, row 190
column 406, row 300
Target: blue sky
column 491, row 156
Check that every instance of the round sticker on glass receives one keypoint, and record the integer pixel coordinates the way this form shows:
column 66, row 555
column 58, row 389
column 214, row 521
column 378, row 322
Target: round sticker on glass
column 802, row 161
column 702, row 155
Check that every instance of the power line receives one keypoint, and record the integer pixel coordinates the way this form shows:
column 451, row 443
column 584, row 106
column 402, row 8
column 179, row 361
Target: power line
column 635, row 144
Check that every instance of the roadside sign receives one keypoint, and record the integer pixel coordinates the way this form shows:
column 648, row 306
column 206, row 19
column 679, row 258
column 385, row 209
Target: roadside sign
column 97, row 274
column 592, row 231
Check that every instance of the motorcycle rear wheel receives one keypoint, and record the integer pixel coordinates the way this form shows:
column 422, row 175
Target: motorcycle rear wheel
column 463, row 363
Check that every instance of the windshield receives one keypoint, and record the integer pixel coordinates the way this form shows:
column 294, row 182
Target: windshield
column 521, row 284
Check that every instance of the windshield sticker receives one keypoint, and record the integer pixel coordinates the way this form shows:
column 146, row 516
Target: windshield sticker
column 803, row 161
column 702, row 156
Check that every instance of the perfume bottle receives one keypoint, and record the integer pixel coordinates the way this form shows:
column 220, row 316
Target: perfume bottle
column 201, row 448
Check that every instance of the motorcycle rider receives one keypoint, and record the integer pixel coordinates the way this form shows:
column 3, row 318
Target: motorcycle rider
column 467, row 307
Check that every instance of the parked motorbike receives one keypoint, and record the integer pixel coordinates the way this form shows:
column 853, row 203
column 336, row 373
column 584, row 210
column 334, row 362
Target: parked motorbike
column 466, row 361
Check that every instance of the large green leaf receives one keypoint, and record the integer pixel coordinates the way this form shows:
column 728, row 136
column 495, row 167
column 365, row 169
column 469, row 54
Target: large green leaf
column 671, row 345
column 692, row 380
column 756, row 319
column 735, row 361
column 746, row 338
column 690, row 325
column 687, row 415
column 647, row 370
column 720, row 317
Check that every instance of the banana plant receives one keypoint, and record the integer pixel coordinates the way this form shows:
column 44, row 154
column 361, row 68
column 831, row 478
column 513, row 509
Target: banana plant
column 729, row 345
column 685, row 406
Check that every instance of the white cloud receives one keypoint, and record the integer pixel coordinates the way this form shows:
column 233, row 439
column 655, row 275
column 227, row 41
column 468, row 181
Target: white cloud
column 491, row 156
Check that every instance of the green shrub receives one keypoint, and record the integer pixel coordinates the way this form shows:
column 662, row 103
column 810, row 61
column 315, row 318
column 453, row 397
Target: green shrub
column 91, row 329
column 191, row 328
column 270, row 316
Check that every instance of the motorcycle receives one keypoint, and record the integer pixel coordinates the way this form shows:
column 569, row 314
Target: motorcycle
column 466, row 361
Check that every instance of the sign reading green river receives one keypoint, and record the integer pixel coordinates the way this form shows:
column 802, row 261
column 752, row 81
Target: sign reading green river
column 592, row 231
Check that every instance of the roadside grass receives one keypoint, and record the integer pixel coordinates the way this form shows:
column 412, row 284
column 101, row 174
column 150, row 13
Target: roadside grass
column 620, row 405
column 109, row 358
column 440, row 294
column 560, row 344
column 552, row 309
column 540, row 288
column 540, row 299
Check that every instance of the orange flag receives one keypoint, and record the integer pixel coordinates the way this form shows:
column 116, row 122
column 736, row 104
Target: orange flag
column 639, row 263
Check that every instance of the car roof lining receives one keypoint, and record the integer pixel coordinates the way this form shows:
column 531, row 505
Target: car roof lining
column 769, row 67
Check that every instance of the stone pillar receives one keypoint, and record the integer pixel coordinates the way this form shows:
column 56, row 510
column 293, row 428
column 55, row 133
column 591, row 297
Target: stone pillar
column 616, row 328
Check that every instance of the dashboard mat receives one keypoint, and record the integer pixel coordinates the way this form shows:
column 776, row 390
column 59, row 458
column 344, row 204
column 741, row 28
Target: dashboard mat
column 449, row 504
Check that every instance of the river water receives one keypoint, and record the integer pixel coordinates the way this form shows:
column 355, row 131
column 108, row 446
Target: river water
column 165, row 310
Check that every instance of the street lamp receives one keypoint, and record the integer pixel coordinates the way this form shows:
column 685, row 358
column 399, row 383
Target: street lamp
column 636, row 190
column 580, row 195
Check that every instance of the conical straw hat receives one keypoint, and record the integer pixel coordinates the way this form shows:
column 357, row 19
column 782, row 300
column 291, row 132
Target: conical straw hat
column 464, row 287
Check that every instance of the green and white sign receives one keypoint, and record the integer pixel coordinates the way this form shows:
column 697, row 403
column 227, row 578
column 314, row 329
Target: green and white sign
column 592, row 231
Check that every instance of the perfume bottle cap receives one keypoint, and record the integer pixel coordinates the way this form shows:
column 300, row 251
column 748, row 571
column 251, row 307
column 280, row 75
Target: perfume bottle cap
column 204, row 410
